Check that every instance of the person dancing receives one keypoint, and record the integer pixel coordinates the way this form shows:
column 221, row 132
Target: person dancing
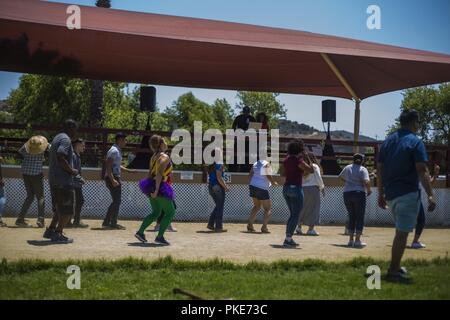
column 313, row 186
column 162, row 196
column 294, row 167
column 260, row 180
column 420, row 225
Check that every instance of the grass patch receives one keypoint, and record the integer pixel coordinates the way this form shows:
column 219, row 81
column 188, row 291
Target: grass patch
column 133, row 278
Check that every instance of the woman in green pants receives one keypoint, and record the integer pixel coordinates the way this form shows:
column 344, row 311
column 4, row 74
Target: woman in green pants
column 162, row 195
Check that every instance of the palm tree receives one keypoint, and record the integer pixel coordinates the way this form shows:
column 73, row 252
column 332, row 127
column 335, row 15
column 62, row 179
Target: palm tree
column 96, row 107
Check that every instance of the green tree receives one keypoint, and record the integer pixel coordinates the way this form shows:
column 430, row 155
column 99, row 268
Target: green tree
column 187, row 109
column 49, row 100
column 433, row 105
column 223, row 113
column 263, row 102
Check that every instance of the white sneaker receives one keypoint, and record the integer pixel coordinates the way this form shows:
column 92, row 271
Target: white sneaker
column 359, row 244
column 418, row 245
column 312, row 233
column 171, row 228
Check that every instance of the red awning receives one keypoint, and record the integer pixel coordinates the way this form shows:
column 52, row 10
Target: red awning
column 176, row 51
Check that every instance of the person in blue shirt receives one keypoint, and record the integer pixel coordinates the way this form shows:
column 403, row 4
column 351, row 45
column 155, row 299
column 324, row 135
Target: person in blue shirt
column 217, row 188
column 402, row 163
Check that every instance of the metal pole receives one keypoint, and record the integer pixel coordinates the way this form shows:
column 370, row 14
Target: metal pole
column 356, row 126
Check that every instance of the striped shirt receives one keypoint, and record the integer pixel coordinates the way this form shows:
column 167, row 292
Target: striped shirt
column 31, row 163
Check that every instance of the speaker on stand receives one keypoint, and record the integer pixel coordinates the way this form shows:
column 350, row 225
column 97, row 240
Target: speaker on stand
column 147, row 103
column 329, row 162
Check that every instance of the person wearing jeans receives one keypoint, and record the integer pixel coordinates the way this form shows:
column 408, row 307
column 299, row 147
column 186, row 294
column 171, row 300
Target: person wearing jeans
column 33, row 157
column 78, row 182
column 217, row 188
column 112, row 179
column 294, row 167
column 356, row 184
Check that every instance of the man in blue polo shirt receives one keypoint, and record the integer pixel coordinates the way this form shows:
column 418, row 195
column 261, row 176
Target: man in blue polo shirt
column 402, row 162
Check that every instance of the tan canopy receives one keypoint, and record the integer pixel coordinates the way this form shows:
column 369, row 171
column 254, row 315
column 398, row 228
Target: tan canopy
column 177, row 51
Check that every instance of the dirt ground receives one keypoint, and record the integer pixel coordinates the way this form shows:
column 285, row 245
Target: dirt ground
column 194, row 242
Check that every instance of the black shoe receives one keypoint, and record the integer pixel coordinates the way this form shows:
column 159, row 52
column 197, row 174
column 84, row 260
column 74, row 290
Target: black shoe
column 140, row 237
column 399, row 277
column 22, row 223
column 162, row 241
column 290, row 244
column 210, row 227
column 49, row 233
column 60, row 238
column 220, row 230
column 40, row 222
column 106, row 224
column 117, row 226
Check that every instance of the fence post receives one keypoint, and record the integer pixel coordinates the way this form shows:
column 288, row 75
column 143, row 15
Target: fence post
column 447, row 171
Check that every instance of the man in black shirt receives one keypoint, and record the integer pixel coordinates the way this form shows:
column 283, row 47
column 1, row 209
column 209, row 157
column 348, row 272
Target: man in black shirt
column 243, row 120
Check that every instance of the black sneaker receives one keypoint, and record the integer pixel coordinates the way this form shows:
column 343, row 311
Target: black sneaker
column 210, row 227
column 60, row 238
column 403, row 270
column 40, row 222
column 140, row 237
column 22, row 223
column 399, row 277
column 49, row 233
column 162, row 241
column 117, row 226
column 106, row 225
column 290, row 244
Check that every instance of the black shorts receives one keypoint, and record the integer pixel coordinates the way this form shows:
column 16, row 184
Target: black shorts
column 259, row 193
column 63, row 199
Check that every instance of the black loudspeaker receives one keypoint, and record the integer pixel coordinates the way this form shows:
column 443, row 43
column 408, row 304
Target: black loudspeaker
column 329, row 111
column 148, row 99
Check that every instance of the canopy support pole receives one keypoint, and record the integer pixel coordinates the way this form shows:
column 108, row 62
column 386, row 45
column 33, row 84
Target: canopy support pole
column 350, row 90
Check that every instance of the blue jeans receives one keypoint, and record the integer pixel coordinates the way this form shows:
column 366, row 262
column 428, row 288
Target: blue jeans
column 355, row 202
column 218, row 195
column 294, row 198
column 2, row 201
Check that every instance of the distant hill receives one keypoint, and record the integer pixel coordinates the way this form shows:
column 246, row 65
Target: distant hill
column 301, row 130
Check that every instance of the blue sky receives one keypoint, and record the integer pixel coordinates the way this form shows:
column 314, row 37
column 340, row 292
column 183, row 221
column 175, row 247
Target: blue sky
column 416, row 24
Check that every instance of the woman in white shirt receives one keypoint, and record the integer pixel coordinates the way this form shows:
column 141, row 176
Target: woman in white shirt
column 260, row 180
column 312, row 187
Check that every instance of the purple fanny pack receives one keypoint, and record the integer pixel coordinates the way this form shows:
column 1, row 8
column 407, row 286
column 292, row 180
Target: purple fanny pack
column 148, row 186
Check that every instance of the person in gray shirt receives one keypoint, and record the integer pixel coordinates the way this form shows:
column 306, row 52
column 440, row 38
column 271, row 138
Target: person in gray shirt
column 60, row 176
column 356, row 188
column 113, row 167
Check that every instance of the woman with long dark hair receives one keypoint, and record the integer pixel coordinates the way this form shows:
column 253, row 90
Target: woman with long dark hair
column 294, row 168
